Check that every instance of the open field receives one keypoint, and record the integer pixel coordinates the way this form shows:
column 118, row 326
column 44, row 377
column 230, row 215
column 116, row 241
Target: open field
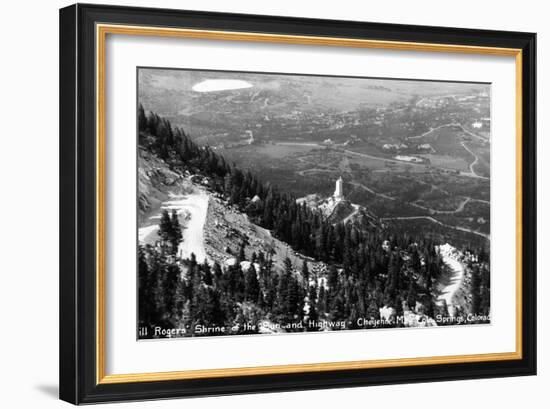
column 277, row 150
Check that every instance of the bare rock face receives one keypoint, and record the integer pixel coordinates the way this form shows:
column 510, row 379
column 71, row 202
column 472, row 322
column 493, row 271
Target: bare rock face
column 155, row 182
column 387, row 313
column 340, row 211
column 227, row 228
column 143, row 203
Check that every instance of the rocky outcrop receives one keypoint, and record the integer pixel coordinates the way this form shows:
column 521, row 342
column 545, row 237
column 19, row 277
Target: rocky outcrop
column 227, row 228
column 155, row 182
column 410, row 318
column 341, row 210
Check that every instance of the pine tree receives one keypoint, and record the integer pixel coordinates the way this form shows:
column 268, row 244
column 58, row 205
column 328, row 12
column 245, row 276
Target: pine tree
column 170, row 231
column 332, row 279
column 287, row 266
column 391, row 288
column 145, row 290
column 312, row 301
column 294, row 304
column 411, row 295
column 485, row 292
column 322, row 301
column 165, row 227
column 354, row 317
column 305, row 272
column 206, row 273
column 398, row 305
column 271, row 291
column 475, row 287
column 415, row 262
column 176, row 235
column 142, row 119
column 337, row 307
column 157, row 272
column 285, row 293
column 169, row 290
column 208, row 309
column 242, row 253
column 218, row 274
column 252, row 286
column 373, row 312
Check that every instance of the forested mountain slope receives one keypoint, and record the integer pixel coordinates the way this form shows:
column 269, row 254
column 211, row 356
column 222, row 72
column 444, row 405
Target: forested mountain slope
column 264, row 258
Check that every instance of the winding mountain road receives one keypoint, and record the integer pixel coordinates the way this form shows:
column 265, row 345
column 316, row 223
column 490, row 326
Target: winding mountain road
column 192, row 210
column 449, row 257
column 430, row 218
column 476, row 160
column 459, row 209
column 352, row 214
column 432, row 130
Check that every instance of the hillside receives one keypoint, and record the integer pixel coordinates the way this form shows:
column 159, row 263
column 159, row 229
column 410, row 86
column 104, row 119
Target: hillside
column 212, row 229
column 223, row 250
column 156, row 182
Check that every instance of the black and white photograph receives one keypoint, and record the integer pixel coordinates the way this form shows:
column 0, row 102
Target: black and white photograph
column 280, row 203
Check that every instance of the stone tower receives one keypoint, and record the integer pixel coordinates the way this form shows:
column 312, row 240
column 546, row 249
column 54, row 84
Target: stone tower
column 339, row 191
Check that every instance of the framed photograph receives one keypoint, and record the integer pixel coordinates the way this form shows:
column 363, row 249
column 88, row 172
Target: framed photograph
column 257, row 203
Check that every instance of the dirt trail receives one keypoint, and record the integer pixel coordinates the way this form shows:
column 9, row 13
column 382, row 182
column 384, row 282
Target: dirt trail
column 464, row 229
column 352, row 214
column 432, row 130
column 192, row 209
column 450, row 257
column 476, row 160
column 459, row 209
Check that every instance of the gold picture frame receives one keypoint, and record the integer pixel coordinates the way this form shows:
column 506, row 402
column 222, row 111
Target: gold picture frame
column 98, row 20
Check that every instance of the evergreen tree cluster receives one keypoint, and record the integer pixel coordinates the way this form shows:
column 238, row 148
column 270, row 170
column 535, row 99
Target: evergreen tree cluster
column 170, row 231
column 185, row 294
column 181, row 293
column 480, row 289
